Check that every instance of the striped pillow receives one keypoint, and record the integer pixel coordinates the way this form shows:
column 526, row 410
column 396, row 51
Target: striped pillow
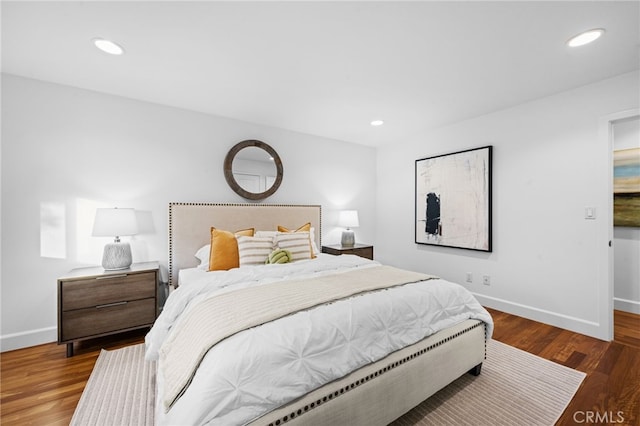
column 296, row 242
column 254, row 250
column 304, row 228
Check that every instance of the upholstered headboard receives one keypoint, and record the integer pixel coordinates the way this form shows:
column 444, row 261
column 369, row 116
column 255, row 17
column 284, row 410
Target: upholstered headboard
column 190, row 225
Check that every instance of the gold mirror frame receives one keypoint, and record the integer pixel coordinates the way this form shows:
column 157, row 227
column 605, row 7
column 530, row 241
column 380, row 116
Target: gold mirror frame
column 228, row 170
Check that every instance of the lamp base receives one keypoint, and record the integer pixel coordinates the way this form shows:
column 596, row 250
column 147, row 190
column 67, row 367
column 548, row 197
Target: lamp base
column 348, row 238
column 116, row 256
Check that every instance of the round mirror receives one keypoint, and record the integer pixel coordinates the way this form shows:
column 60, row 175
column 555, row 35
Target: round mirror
column 253, row 169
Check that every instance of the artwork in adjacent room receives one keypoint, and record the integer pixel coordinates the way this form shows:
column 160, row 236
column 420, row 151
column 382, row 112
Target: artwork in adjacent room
column 626, row 187
column 453, row 199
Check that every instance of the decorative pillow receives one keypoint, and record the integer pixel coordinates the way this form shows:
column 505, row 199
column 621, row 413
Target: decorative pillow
column 249, row 232
column 224, row 249
column 203, row 255
column 270, row 234
column 279, row 256
column 296, row 242
column 312, row 237
column 254, row 250
column 304, row 228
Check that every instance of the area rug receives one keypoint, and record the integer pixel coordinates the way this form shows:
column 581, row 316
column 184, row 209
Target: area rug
column 514, row 388
column 120, row 391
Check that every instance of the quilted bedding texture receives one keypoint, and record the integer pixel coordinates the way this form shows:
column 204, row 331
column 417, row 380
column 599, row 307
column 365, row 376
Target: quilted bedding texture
column 264, row 367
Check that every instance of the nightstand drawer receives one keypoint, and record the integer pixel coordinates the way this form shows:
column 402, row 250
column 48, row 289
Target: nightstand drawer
column 361, row 250
column 103, row 290
column 107, row 318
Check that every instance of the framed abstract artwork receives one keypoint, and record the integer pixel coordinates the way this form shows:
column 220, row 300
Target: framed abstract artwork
column 453, row 199
column 626, row 187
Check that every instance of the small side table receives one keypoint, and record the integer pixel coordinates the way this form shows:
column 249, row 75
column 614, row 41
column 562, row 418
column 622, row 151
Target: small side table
column 93, row 302
column 362, row 250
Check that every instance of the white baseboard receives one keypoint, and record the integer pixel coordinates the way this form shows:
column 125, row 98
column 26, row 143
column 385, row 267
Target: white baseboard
column 574, row 324
column 626, row 305
column 25, row 339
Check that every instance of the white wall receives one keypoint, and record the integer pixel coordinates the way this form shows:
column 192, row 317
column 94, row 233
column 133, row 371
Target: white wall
column 66, row 151
column 626, row 242
column 549, row 164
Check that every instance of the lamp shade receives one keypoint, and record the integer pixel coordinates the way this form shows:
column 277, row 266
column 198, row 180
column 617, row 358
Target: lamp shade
column 348, row 219
column 115, row 222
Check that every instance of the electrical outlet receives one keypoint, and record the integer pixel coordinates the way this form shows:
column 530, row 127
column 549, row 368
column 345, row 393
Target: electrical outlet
column 486, row 280
column 469, row 277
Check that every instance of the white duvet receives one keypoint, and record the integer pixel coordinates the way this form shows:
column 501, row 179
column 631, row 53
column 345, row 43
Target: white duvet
column 257, row 370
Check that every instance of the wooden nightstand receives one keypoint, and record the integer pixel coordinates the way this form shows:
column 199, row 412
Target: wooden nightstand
column 93, row 302
column 362, row 250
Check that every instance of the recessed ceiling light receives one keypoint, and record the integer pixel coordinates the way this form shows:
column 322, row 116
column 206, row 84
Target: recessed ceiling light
column 377, row 123
column 585, row 37
column 108, row 46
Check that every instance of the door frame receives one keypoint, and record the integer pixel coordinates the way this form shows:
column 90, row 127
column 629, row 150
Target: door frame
column 606, row 274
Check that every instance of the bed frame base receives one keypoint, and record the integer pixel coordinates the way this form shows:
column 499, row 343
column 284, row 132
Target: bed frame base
column 381, row 392
column 475, row 371
column 376, row 394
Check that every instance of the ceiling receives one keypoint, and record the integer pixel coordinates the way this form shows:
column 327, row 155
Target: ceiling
column 324, row 68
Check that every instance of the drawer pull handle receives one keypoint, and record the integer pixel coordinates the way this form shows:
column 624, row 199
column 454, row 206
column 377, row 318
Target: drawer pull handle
column 108, row 277
column 108, row 305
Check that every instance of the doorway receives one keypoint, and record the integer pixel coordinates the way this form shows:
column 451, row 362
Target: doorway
column 619, row 131
column 626, row 232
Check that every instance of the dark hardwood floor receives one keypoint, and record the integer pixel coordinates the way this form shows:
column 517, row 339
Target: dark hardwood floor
column 40, row 386
column 610, row 394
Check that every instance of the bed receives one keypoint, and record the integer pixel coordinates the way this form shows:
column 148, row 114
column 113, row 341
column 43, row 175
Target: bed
column 359, row 354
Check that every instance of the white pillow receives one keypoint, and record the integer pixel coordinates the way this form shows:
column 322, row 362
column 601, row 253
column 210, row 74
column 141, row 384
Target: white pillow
column 296, row 242
column 314, row 247
column 254, row 250
column 203, row 257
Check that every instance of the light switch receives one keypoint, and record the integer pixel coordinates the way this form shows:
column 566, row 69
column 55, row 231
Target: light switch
column 589, row 212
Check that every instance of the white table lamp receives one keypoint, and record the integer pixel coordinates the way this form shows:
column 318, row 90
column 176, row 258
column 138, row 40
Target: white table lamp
column 348, row 219
column 115, row 223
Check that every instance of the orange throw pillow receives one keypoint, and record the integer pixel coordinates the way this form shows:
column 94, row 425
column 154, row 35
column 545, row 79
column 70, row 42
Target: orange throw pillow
column 224, row 249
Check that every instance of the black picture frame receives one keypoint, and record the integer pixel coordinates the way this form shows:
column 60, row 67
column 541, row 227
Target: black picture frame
column 453, row 196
